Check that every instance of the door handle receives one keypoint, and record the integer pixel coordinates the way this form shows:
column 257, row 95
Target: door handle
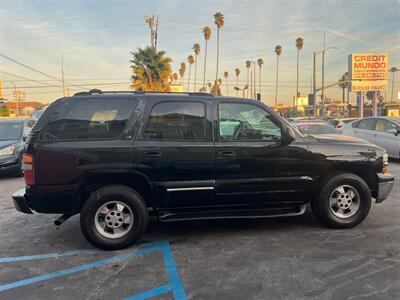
column 226, row 154
column 152, row 155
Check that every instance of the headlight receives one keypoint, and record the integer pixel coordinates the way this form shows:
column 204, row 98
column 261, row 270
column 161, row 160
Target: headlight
column 7, row 151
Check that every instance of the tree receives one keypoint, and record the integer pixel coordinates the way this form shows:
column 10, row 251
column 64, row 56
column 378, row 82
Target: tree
column 207, row 37
column 299, row 46
column 216, row 90
column 343, row 85
column 278, row 52
column 182, row 71
column 226, row 74
column 219, row 20
column 191, row 62
column 237, row 73
column 248, row 66
column 260, row 63
column 209, row 86
column 151, row 70
column 196, row 49
column 175, row 76
column 393, row 70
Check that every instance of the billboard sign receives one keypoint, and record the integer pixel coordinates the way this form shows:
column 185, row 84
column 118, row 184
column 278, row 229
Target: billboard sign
column 368, row 66
column 368, row 85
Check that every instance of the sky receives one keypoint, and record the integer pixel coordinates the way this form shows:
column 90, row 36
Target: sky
column 96, row 38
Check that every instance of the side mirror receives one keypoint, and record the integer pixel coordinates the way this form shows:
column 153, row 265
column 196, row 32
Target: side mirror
column 289, row 135
column 394, row 131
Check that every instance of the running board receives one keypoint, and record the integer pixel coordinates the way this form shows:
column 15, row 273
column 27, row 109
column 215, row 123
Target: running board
column 172, row 216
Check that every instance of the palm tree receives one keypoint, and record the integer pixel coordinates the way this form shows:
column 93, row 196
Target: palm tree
column 151, row 69
column 196, row 49
column 343, row 85
column 226, row 74
column 248, row 66
column 219, row 21
column 175, row 76
column 182, row 71
column 260, row 63
column 299, row 46
column 209, row 85
column 278, row 52
column 237, row 73
column 207, row 36
column 191, row 62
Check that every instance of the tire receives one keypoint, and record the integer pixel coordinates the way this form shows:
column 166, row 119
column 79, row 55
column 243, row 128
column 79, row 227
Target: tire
column 348, row 191
column 95, row 212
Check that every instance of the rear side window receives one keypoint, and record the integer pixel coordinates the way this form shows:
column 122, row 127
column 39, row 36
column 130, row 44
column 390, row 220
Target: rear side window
column 88, row 119
column 367, row 124
column 177, row 121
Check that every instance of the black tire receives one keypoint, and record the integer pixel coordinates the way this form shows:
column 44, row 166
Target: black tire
column 320, row 205
column 103, row 195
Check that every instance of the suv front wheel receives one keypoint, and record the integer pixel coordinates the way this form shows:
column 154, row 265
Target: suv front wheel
column 114, row 217
column 344, row 201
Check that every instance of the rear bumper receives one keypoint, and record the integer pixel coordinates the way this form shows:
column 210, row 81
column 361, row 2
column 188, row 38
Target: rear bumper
column 20, row 202
column 385, row 185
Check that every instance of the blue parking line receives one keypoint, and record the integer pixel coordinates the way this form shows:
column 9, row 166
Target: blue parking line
column 174, row 284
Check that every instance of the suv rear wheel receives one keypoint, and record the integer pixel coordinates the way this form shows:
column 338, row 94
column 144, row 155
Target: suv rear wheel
column 114, row 217
column 344, row 201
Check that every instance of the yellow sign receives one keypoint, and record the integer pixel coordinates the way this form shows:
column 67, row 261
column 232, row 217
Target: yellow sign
column 368, row 85
column 368, row 65
column 301, row 100
column 176, row 88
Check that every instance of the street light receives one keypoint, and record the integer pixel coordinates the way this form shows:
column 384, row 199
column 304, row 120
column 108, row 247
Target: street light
column 323, row 69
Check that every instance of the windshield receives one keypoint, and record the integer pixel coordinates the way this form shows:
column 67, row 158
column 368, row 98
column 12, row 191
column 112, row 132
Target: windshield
column 317, row 129
column 10, row 131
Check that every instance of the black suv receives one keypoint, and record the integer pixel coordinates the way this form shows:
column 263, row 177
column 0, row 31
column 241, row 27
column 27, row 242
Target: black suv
column 119, row 158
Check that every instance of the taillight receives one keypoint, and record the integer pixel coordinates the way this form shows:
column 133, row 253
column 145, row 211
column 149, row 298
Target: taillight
column 339, row 126
column 29, row 173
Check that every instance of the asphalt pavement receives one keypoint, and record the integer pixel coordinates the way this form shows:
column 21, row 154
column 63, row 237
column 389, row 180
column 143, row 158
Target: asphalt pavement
column 283, row 258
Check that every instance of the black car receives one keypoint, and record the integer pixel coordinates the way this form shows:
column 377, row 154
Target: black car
column 13, row 133
column 120, row 158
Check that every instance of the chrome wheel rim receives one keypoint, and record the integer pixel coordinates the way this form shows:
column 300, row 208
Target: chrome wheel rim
column 114, row 219
column 344, row 201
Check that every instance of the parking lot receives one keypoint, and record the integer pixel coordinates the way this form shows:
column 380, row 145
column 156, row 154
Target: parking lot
column 284, row 258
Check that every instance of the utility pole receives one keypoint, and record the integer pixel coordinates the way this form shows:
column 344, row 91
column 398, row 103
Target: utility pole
column 16, row 98
column 153, row 25
column 255, row 81
column 314, row 78
column 62, row 74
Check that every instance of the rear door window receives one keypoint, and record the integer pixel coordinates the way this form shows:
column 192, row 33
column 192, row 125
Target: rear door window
column 88, row 118
column 367, row 124
column 177, row 121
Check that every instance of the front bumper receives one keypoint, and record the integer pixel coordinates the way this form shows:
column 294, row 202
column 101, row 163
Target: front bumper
column 385, row 185
column 9, row 165
column 20, row 202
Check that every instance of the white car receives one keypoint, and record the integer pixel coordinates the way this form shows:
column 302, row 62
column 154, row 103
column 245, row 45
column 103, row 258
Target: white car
column 381, row 131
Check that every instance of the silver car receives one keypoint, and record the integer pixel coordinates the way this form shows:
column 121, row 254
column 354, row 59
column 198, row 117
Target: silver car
column 381, row 131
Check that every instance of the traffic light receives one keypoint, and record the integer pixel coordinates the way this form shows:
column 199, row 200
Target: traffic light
column 311, row 99
column 258, row 96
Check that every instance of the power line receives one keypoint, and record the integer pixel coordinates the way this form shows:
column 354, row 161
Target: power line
column 25, row 79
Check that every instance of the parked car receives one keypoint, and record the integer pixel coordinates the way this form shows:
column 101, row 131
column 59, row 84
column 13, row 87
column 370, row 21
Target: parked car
column 316, row 128
column 119, row 158
column 381, row 131
column 13, row 133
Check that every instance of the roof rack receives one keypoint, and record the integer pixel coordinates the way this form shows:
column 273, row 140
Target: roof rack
column 97, row 91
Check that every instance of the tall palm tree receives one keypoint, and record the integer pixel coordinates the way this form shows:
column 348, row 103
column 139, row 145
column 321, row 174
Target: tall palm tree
column 196, row 49
column 343, row 85
column 299, row 46
column 207, row 37
column 278, row 52
column 151, row 69
column 226, row 74
column 237, row 73
column 260, row 63
column 182, row 71
column 191, row 62
column 248, row 66
column 219, row 20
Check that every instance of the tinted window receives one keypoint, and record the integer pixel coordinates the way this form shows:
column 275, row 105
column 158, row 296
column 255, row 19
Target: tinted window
column 177, row 121
column 246, row 122
column 317, row 129
column 88, row 118
column 367, row 124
